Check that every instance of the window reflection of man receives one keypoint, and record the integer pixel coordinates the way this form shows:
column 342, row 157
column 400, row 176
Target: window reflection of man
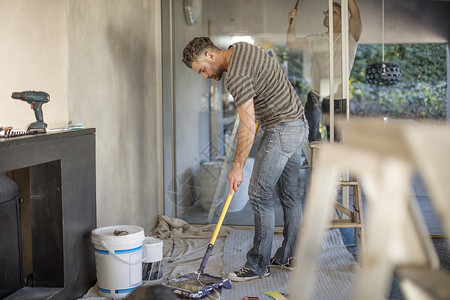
column 317, row 46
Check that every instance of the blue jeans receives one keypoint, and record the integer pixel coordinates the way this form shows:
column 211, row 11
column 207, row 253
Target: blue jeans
column 276, row 169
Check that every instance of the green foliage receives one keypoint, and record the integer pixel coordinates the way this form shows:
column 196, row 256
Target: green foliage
column 419, row 62
column 421, row 100
column 421, row 94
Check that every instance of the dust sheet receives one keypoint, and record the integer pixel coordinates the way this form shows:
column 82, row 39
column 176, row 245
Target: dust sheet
column 184, row 246
column 336, row 269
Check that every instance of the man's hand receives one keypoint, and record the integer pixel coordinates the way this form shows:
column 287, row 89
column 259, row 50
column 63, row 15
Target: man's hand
column 292, row 17
column 235, row 177
column 291, row 41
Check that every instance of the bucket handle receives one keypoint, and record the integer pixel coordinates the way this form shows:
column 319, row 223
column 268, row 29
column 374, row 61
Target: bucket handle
column 123, row 260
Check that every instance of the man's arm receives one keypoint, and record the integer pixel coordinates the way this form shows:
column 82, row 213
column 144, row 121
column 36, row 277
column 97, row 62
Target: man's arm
column 291, row 41
column 355, row 24
column 246, row 136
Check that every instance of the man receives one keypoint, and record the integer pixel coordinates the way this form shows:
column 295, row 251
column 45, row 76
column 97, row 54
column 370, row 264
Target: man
column 317, row 45
column 261, row 93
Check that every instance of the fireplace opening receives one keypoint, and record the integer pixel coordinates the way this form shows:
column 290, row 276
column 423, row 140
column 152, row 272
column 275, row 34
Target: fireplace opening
column 31, row 247
column 10, row 246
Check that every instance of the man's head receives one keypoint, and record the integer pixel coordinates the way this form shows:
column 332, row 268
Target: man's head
column 201, row 55
column 195, row 48
column 336, row 17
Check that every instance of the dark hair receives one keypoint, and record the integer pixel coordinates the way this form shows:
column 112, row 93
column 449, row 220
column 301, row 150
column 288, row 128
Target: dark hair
column 195, row 48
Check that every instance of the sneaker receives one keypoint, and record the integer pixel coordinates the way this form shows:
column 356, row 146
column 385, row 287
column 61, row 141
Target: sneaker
column 290, row 266
column 245, row 274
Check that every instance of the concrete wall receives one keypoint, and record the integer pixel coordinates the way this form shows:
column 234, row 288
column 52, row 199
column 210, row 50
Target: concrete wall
column 33, row 56
column 100, row 63
column 114, row 85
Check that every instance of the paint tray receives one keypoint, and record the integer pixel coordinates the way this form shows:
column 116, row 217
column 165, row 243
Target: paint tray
column 187, row 285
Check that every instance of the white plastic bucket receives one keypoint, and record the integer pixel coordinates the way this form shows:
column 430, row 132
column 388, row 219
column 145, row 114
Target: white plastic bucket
column 152, row 266
column 118, row 259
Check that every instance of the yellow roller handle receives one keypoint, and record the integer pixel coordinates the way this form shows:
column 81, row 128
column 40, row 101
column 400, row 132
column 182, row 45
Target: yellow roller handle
column 225, row 209
column 222, row 216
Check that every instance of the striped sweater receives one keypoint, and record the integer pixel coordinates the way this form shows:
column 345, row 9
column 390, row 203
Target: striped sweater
column 252, row 73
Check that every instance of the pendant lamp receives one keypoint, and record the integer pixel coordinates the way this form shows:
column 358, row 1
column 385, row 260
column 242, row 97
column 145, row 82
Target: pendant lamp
column 383, row 73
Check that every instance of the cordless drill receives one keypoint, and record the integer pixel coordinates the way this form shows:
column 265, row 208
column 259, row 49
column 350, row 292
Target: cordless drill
column 35, row 99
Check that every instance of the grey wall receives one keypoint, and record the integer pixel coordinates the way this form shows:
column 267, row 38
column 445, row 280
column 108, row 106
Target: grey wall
column 33, row 56
column 100, row 62
column 114, row 85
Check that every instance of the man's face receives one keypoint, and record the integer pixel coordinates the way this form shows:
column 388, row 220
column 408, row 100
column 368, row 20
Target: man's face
column 208, row 68
column 336, row 17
